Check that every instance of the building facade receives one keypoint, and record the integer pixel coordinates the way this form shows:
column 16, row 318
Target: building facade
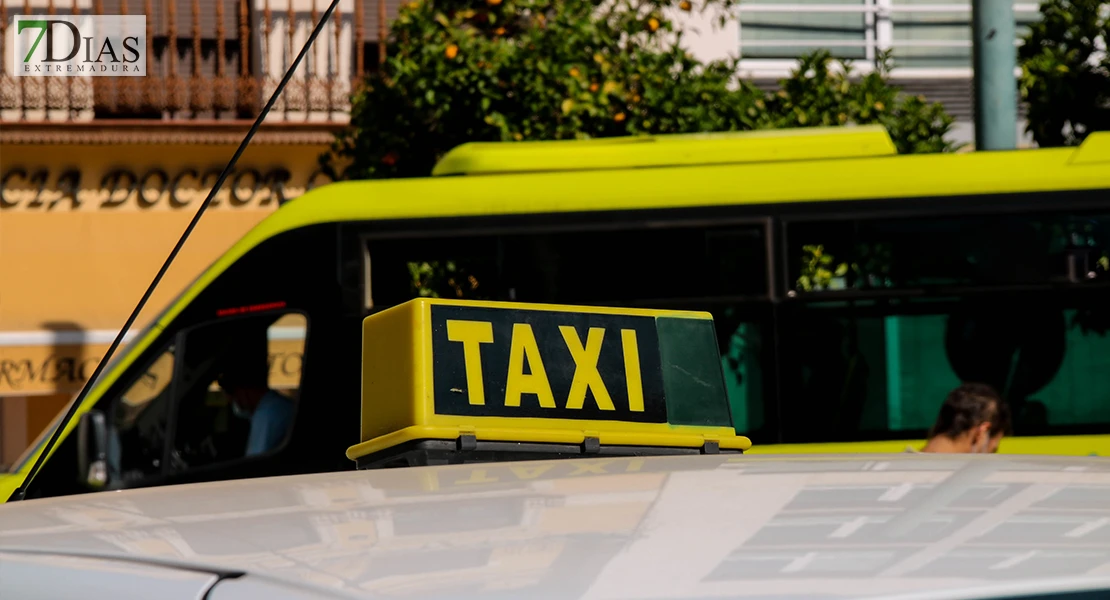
column 929, row 43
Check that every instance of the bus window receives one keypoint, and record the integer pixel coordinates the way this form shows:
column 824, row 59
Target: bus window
column 615, row 267
column 238, row 389
column 139, row 417
column 859, row 372
column 743, row 338
column 948, row 251
column 717, row 269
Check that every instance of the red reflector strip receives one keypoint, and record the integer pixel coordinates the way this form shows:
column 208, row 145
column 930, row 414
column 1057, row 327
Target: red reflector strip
column 227, row 312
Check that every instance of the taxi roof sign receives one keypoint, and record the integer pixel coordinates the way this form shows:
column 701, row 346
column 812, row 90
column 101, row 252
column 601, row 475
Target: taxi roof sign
column 512, row 376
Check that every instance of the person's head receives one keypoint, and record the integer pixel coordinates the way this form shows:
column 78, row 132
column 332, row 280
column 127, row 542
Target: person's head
column 245, row 375
column 245, row 393
column 973, row 418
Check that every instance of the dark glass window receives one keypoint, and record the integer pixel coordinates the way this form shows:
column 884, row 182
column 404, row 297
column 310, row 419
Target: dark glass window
column 238, row 388
column 948, row 251
column 229, row 391
column 631, row 266
column 859, row 371
column 139, row 417
column 685, row 268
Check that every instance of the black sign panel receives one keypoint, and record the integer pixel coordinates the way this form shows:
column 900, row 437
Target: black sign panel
column 546, row 364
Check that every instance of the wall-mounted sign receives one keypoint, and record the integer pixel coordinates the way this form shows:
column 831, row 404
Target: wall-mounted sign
column 84, row 227
column 42, row 188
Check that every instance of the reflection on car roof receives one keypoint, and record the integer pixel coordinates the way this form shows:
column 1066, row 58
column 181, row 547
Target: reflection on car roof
column 860, row 526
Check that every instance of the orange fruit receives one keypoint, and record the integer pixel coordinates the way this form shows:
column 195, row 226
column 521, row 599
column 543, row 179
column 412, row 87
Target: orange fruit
column 452, row 51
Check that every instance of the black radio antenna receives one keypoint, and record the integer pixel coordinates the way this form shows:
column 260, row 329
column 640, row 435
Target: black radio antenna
column 21, row 492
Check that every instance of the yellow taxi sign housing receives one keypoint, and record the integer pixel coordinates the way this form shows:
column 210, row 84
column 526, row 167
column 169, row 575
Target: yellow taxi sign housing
column 436, row 369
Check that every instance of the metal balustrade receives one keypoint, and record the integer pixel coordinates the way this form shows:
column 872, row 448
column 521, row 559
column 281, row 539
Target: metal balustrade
column 207, row 60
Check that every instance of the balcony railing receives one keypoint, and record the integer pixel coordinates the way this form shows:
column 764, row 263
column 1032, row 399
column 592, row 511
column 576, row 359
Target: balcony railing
column 206, row 59
column 219, row 59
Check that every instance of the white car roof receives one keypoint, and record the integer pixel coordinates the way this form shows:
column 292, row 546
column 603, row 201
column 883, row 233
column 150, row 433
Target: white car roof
column 714, row 526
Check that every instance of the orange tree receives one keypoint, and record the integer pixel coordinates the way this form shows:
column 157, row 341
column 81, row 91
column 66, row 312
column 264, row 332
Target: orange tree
column 505, row 70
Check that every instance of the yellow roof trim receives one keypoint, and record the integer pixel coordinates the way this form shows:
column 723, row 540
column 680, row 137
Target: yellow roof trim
column 574, row 308
column 620, row 434
column 1068, row 445
column 489, row 158
column 1094, row 149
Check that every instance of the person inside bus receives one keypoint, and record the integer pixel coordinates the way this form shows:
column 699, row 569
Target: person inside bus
column 973, row 419
column 245, row 379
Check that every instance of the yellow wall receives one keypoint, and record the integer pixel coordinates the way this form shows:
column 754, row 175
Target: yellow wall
column 80, row 261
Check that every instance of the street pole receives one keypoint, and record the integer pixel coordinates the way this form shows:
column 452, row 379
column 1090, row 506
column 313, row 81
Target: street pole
column 995, row 58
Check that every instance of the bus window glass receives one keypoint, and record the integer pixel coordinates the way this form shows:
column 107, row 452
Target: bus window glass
column 139, row 421
column 621, row 267
column 742, row 337
column 858, row 373
column 969, row 251
column 239, row 389
column 721, row 270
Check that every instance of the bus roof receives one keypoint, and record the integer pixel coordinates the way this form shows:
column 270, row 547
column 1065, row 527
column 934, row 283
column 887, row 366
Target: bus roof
column 699, row 185
column 654, row 187
column 638, row 152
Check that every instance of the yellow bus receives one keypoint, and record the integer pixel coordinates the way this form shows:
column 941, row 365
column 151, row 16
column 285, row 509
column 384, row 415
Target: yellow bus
column 851, row 288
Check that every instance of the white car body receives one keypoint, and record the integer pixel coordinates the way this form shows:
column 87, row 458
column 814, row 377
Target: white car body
column 849, row 526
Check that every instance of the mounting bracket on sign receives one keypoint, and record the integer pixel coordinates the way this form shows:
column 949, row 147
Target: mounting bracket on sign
column 466, row 443
column 591, row 445
column 467, row 449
